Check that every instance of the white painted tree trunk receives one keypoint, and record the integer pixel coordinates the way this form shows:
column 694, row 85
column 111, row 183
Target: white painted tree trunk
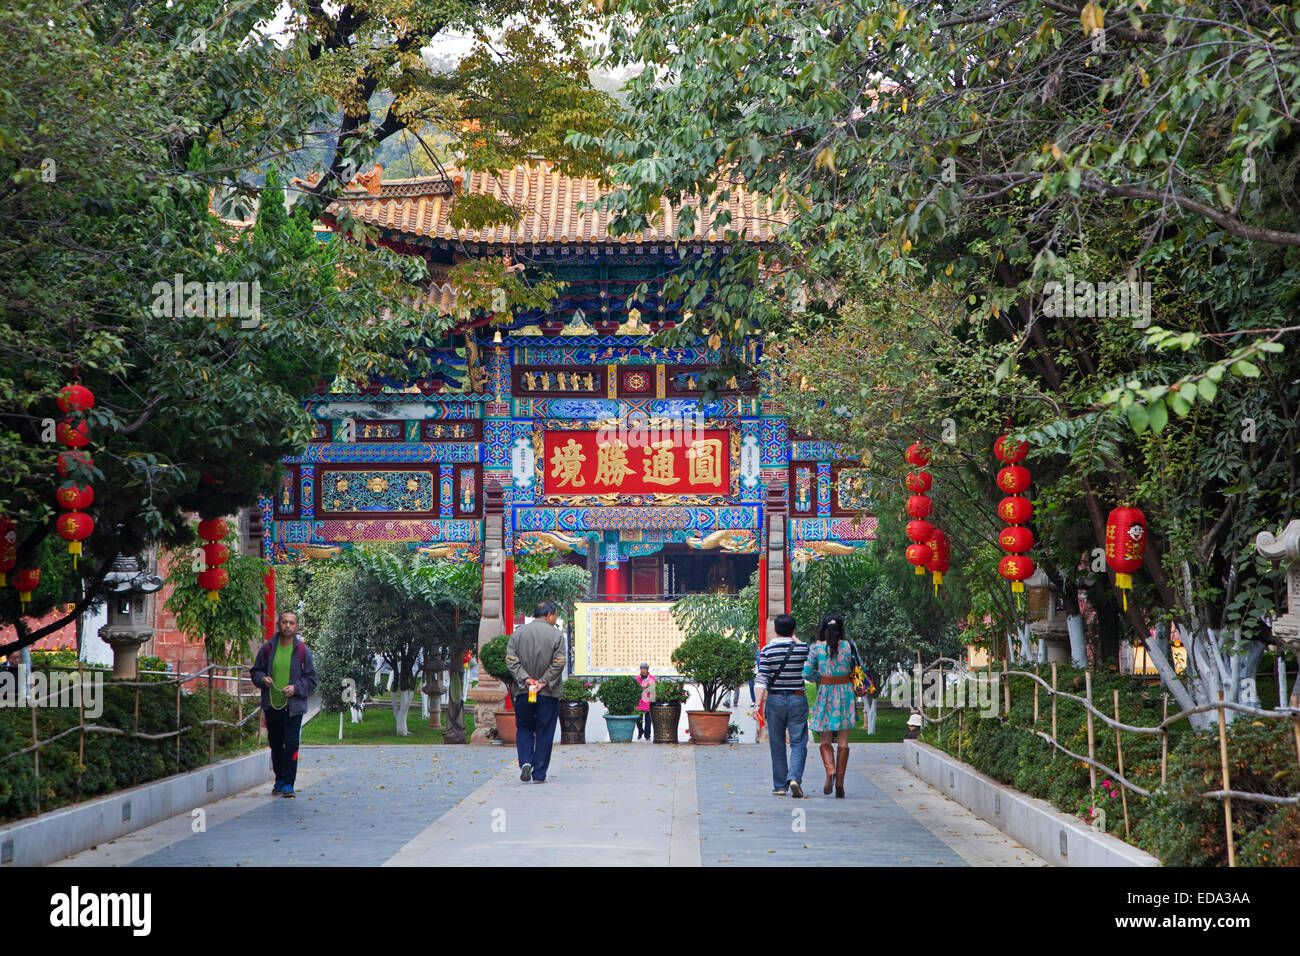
column 1026, row 650
column 401, row 704
column 1078, row 649
column 871, row 715
column 357, row 713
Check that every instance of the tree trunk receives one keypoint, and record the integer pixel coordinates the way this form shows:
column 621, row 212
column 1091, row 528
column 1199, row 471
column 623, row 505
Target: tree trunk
column 871, row 714
column 1078, row 647
column 454, row 732
column 401, row 700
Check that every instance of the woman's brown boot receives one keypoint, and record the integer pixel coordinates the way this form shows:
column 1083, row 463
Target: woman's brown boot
column 841, row 766
column 828, row 761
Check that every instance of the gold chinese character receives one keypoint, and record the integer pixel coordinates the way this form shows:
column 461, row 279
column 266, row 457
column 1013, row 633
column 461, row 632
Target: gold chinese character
column 567, row 462
column 611, row 464
column 659, row 464
column 705, row 460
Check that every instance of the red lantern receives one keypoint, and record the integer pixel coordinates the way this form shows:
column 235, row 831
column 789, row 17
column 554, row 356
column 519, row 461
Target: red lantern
column 1005, row 451
column 918, row 482
column 919, row 555
column 919, row 531
column 75, row 398
column 1015, row 568
column 69, row 458
column 213, row 580
column 26, row 581
column 213, row 529
column 8, row 547
column 1016, row 539
column 1126, row 544
column 1015, row 510
column 215, row 554
column 938, row 563
column 919, row 506
column 72, row 527
column 917, row 454
column 74, row 497
column 71, row 436
column 1013, row 479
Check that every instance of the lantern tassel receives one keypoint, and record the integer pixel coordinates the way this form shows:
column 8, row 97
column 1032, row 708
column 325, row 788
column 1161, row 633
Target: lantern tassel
column 919, row 570
column 213, row 596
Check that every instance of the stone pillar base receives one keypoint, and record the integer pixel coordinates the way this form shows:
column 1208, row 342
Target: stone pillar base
column 489, row 697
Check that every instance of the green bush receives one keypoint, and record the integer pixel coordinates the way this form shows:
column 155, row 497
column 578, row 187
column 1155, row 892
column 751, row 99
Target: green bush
column 575, row 689
column 112, row 761
column 619, row 695
column 492, row 658
column 1174, row 824
column 715, row 662
column 669, row 691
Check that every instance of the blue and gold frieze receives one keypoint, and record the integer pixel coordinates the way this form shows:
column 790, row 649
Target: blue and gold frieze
column 833, row 529
column 307, row 491
column 445, row 491
column 621, row 350
column 774, row 440
column 345, row 492
column 397, row 406
column 649, row 518
column 384, row 453
column 823, row 488
column 808, row 450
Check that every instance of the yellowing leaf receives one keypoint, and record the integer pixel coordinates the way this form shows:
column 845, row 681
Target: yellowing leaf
column 1146, row 80
column 902, row 18
column 1092, row 18
column 1056, row 152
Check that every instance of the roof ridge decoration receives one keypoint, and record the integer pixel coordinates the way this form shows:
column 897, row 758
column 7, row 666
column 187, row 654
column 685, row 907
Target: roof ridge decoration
column 420, row 208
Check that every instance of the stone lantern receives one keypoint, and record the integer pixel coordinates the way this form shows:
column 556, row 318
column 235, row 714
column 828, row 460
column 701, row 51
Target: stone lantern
column 1052, row 630
column 128, row 594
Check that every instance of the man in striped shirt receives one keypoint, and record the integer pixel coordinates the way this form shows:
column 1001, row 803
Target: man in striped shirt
column 781, row 688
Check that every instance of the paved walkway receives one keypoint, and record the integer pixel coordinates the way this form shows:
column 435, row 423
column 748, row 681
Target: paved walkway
column 603, row 804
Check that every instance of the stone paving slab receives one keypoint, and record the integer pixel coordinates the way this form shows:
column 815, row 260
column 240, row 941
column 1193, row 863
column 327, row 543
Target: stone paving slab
column 636, row 804
column 357, row 808
column 743, row 823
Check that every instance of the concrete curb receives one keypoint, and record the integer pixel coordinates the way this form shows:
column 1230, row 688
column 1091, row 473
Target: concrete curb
column 60, row 833
column 1058, row 838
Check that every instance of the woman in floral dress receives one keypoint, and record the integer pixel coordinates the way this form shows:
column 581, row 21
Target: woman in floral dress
column 830, row 666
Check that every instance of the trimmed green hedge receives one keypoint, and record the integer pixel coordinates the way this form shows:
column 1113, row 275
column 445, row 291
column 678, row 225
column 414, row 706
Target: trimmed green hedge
column 1175, row 825
column 113, row 762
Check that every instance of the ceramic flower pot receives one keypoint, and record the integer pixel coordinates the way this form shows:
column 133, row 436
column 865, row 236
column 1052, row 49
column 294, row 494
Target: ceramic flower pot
column 665, row 718
column 506, row 726
column 573, row 721
column 708, row 726
column 621, row 727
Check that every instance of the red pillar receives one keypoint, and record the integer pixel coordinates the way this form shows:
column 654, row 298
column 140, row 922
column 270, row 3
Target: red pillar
column 268, row 582
column 508, row 595
column 613, row 585
column 762, row 602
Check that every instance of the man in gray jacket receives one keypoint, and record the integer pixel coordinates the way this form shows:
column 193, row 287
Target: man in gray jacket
column 535, row 655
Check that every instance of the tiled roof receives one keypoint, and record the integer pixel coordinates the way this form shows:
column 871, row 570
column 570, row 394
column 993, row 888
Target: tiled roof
column 549, row 204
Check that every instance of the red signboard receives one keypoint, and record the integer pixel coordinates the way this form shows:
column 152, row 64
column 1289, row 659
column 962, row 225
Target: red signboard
column 592, row 463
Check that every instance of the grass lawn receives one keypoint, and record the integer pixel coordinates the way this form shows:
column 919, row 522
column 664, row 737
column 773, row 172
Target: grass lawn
column 377, row 728
column 891, row 724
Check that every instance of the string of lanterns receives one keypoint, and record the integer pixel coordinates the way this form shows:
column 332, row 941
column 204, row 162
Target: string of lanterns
column 919, row 507
column 1015, row 509
column 74, row 525
column 213, row 577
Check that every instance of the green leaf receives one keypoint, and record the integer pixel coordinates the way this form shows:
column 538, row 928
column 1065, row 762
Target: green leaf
column 1247, row 369
column 1159, row 416
column 1138, row 417
column 1207, row 389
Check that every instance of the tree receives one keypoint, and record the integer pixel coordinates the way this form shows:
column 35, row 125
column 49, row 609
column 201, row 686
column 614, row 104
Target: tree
column 228, row 625
column 940, row 166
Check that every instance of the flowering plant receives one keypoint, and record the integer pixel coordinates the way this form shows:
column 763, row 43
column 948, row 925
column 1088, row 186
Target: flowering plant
column 576, row 690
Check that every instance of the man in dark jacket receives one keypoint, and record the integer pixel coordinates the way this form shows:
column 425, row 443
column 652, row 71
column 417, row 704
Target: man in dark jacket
column 285, row 671
column 536, row 656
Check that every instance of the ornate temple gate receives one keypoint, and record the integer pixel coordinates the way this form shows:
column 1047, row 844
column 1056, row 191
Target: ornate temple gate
column 553, row 433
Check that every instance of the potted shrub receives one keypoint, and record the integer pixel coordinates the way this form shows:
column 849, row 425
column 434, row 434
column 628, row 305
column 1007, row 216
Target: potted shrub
column 715, row 664
column 666, row 709
column 492, row 658
column 574, row 698
column 620, row 695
